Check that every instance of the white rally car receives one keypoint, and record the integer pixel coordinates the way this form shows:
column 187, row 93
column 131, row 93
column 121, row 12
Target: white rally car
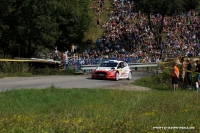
column 112, row 69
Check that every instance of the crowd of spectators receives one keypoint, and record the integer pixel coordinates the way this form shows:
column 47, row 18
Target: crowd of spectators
column 128, row 35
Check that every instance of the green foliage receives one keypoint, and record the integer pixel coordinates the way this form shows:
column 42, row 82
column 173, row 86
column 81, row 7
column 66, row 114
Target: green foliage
column 163, row 7
column 191, row 4
column 52, row 71
column 163, row 81
column 157, row 82
column 97, row 110
column 14, row 67
column 74, row 21
column 24, row 69
column 68, row 71
column 49, row 23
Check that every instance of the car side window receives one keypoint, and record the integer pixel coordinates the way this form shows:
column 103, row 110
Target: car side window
column 121, row 65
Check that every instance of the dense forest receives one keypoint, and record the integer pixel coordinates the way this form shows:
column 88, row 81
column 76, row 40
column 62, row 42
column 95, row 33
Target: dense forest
column 36, row 25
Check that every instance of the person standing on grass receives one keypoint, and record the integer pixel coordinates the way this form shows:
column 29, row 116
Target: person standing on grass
column 198, row 74
column 98, row 22
column 188, row 74
column 175, row 76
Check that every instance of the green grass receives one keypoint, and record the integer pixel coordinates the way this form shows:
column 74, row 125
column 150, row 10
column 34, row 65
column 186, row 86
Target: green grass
column 163, row 81
column 156, row 82
column 97, row 110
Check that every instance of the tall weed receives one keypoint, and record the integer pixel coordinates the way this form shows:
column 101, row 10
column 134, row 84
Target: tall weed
column 13, row 67
column 53, row 71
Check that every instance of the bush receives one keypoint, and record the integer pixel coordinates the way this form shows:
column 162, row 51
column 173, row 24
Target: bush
column 52, row 71
column 20, row 69
column 14, row 67
column 163, row 81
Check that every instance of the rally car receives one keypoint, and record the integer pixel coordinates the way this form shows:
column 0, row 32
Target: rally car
column 112, row 69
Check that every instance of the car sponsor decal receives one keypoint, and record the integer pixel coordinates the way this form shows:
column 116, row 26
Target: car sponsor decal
column 120, row 70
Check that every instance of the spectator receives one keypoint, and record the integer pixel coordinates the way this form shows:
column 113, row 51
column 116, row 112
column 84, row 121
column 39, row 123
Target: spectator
column 175, row 76
column 128, row 33
column 98, row 22
column 72, row 48
column 198, row 75
column 66, row 62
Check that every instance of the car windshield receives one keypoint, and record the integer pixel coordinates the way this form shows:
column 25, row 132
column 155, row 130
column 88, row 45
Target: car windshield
column 108, row 65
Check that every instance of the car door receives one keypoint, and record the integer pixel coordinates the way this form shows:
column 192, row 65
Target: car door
column 119, row 68
column 125, row 70
column 122, row 69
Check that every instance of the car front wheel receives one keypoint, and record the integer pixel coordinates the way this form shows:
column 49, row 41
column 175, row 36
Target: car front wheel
column 130, row 76
column 117, row 76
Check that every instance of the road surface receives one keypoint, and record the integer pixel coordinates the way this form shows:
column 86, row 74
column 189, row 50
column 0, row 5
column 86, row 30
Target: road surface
column 75, row 81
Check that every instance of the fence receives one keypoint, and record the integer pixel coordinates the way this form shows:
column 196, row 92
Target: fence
column 88, row 64
column 100, row 60
column 131, row 65
column 79, row 63
column 84, row 64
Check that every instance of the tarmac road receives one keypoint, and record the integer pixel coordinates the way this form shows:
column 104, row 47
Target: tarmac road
column 68, row 82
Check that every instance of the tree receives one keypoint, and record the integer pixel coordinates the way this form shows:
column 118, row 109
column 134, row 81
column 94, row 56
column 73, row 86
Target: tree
column 8, row 15
column 36, row 25
column 191, row 4
column 162, row 7
column 73, row 22
column 41, row 23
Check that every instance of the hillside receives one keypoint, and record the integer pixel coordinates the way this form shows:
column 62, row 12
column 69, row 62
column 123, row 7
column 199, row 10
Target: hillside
column 95, row 32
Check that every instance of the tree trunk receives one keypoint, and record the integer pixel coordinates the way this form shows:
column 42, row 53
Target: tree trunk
column 150, row 24
column 161, row 29
column 29, row 48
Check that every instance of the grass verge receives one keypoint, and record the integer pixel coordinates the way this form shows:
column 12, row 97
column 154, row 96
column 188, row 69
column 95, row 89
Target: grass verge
column 86, row 110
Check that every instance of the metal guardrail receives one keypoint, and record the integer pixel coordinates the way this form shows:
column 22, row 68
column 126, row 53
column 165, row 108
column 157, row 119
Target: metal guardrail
column 131, row 65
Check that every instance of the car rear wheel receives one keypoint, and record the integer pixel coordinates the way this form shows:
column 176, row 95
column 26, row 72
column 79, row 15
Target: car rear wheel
column 130, row 76
column 117, row 76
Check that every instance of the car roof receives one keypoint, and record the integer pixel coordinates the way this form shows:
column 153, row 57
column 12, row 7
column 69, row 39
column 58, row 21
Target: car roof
column 113, row 61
